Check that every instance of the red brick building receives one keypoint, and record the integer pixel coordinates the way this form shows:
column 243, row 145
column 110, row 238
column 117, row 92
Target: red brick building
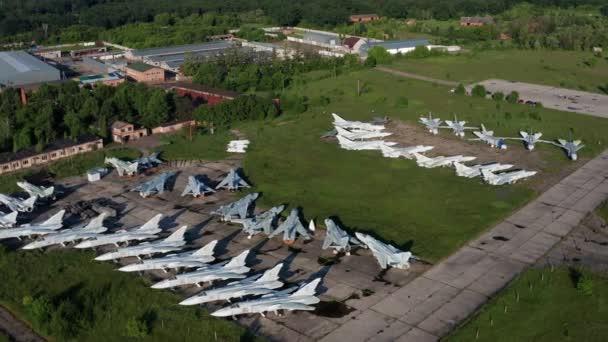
column 476, row 21
column 146, row 73
column 210, row 96
column 363, row 18
column 123, row 132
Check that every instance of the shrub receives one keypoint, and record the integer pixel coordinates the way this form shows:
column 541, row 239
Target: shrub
column 370, row 62
column 513, row 97
column 498, row 96
column 479, row 91
column 460, row 90
column 380, row 54
column 585, row 285
column 136, row 328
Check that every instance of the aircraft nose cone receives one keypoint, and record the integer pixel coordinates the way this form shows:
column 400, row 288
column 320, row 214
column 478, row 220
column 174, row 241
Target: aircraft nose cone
column 29, row 246
column 161, row 285
column 189, row 301
column 221, row 313
column 104, row 257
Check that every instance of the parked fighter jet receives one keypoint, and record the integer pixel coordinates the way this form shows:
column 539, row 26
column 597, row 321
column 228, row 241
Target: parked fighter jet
column 289, row 300
column 405, row 152
column 439, row 161
column 232, row 182
column 530, row 139
column 571, row 147
column 347, row 144
column 236, row 210
column 338, row 239
column 145, row 232
column 432, row 124
column 291, row 227
column 475, row 170
column 154, row 186
column 489, row 138
column 8, row 220
column 361, row 135
column 124, row 168
column 387, row 255
column 16, row 204
column 196, row 188
column 238, row 146
column 233, row 269
column 355, row 125
column 198, row 258
column 172, row 243
column 49, row 226
column 82, row 232
column 261, row 223
column 505, row 177
column 458, row 127
column 253, row 286
column 37, row 191
column 149, row 161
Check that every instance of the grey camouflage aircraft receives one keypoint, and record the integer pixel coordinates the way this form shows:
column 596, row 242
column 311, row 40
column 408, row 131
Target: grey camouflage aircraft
column 38, row 191
column 149, row 161
column 236, row 210
column 232, row 182
column 291, row 227
column 196, row 188
column 386, row 254
column 154, row 186
column 338, row 239
column 571, row 147
column 261, row 223
column 17, row 204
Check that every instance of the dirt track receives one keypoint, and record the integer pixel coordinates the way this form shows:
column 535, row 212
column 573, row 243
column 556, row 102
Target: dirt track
column 16, row 330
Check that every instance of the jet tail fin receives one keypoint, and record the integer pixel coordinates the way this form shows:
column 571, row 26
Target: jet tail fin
column 238, row 260
column 460, row 168
column 309, row 289
column 49, row 191
column 11, row 217
column 487, row 175
column 30, row 201
column 271, row 274
column 96, row 222
column 337, row 118
column 151, row 224
column 207, row 249
column 177, row 235
column 55, row 219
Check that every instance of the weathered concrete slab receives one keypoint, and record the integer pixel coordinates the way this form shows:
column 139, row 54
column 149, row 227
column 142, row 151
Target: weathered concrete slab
column 366, row 326
column 417, row 335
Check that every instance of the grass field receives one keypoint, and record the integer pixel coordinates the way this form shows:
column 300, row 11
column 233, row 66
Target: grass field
column 566, row 69
column 202, row 146
column 68, row 296
column 550, row 308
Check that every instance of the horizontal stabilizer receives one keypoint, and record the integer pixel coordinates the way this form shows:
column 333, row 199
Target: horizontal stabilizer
column 272, row 274
column 309, row 289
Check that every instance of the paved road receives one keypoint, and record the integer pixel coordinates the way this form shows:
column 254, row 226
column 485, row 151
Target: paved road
column 436, row 302
column 16, row 329
column 417, row 77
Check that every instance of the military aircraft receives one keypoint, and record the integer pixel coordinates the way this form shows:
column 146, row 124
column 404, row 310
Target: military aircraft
column 571, row 147
column 253, row 286
column 347, row 144
column 196, row 188
column 37, row 191
column 150, row 161
column 505, row 177
column 289, row 300
column 145, row 232
column 361, row 135
column 458, row 127
column 530, row 139
column 237, row 146
column 439, row 161
column 17, row 204
column 124, row 168
column 405, row 152
column 8, row 220
column 236, row 210
column 291, row 227
column 154, row 186
column 338, row 239
column 172, row 243
column 355, row 125
column 489, row 138
column 261, row 223
column 49, row 226
column 233, row 269
column 387, row 255
column 475, row 170
column 431, row 124
column 232, row 182
column 198, row 258
column 64, row 237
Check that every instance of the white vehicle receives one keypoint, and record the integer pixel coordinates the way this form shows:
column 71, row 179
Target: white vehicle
column 275, row 301
column 172, row 243
column 360, row 135
column 234, row 269
column 387, row 255
column 232, row 182
column 405, row 152
column 8, row 220
column 253, row 286
column 146, row 232
column 505, row 177
column 355, row 125
column 431, row 124
column 17, row 204
column 196, row 188
column 49, row 226
column 475, row 170
column 458, row 127
column 237, row 146
column 362, row 145
column 37, row 191
column 198, row 258
column 338, row 239
column 124, row 168
column 489, row 138
column 83, row 232
column 430, row 163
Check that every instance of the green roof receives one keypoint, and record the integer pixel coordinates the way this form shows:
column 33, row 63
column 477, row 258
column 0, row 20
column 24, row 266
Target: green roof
column 141, row 67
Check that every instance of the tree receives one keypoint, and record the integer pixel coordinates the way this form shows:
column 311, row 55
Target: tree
column 604, row 11
column 498, row 96
column 513, row 97
column 157, row 110
column 370, row 62
column 136, row 328
column 380, row 54
column 479, row 91
column 460, row 90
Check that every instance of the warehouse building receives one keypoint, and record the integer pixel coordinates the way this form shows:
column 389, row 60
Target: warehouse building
column 394, row 47
column 19, row 68
column 146, row 73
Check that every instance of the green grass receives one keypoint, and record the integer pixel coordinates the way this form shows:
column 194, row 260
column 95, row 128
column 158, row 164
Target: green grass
column 602, row 211
column 91, row 301
column 202, row 146
column 549, row 309
column 4, row 337
column 566, row 69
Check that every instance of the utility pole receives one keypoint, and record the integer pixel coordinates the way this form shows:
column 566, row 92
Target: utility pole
column 358, row 88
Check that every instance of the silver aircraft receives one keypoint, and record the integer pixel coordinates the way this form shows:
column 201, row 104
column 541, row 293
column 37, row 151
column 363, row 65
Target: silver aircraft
column 236, row 210
column 154, row 186
column 288, row 300
column 291, row 227
column 172, row 243
column 8, row 220
column 37, row 191
column 530, row 139
column 149, row 161
column 253, row 286
column 338, row 239
column 261, row 223
column 489, row 138
column 431, row 124
column 458, row 127
column 198, row 258
column 233, row 269
column 387, row 255
column 64, row 237
column 232, row 182
column 17, row 204
column 196, row 188
column 429, row 163
column 360, row 135
column 505, row 177
column 355, row 125
column 571, row 147
column 145, row 232
column 475, row 170
column 124, row 168
column 347, row 144
column 405, row 152
column 49, row 226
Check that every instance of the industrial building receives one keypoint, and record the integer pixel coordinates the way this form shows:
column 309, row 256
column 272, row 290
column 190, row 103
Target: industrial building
column 19, row 68
column 142, row 72
column 394, row 47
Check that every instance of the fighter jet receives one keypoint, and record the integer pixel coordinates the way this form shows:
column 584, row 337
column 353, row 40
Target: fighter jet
column 505, row 177
column 145, row 232
column 198, row 258
column 489, row 138
column 37, row 191
column 237, row 146
column 338, row 239
column 355, row 125
column 262, row 223
column 236, row 210
column 232, row 182
column 27, row 230
column 154, row 186
column 253, row 286
column 430, row 163
column 275, row 301
column 571, row 147
column 432, row 125
column 291, row 227
column 124, row 168
column 17, row 204
column 530, row 139
column 347, row 144
column 149, row 161
column 475, row 170
column 172, row 243
column 196, row 188
column 361, row 135
column 82, row 232
column 8, row 220
column 458, row 127
column 405, row 152
column 387, row 255
column 233, row 269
